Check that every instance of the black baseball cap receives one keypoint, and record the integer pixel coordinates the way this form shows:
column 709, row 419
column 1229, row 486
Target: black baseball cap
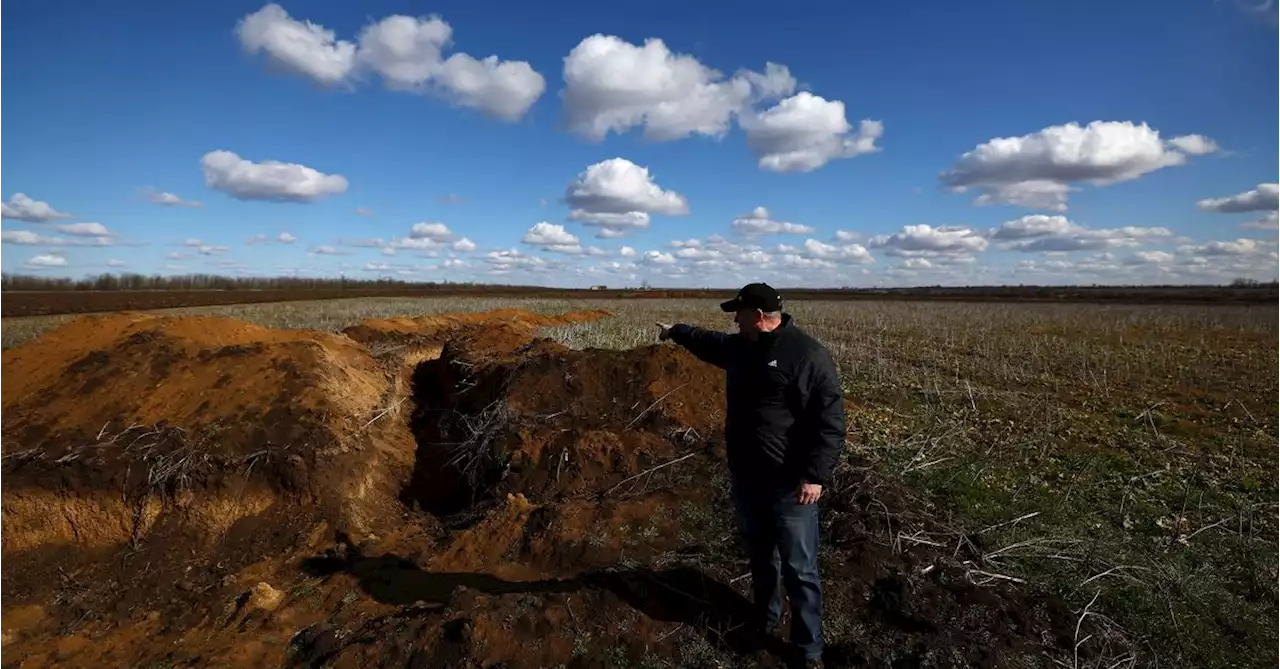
column 755, row 296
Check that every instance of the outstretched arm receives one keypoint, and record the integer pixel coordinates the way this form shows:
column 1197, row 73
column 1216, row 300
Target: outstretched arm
column 708, row 345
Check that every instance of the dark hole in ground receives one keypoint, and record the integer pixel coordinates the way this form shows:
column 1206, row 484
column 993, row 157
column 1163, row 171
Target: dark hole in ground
column 460, row 426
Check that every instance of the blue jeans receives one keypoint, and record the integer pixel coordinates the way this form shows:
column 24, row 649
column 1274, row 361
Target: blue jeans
column 774, row 524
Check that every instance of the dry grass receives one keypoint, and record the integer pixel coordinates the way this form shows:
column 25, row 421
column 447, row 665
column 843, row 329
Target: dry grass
column 1122, row 457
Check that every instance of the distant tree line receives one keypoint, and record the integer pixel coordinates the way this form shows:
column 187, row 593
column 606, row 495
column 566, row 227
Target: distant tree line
column 1253, row 283
column 132, row 281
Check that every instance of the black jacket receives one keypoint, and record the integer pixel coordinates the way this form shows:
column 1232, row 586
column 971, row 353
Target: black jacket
column 784, row 421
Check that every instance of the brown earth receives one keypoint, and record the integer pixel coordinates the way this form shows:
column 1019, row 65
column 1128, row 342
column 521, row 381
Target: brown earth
column 439, row 491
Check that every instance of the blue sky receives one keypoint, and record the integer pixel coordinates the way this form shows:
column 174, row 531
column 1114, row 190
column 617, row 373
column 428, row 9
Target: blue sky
column 828, row 144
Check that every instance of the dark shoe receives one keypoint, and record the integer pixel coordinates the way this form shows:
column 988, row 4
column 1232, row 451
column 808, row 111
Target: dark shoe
column 761, row 636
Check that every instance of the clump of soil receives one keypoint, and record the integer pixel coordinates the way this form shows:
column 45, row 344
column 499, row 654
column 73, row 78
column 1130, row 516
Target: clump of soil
column 439, row 491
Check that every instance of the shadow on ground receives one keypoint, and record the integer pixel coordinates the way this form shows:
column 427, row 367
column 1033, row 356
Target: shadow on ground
column 682, row 595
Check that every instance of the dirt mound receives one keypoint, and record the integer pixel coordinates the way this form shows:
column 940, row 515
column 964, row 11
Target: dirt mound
column 437, row 328
column 150, row 407
column 500, row 413
column 437, row 491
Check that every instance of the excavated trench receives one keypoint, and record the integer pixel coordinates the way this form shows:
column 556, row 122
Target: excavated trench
column 459, row 432
column 442, row 491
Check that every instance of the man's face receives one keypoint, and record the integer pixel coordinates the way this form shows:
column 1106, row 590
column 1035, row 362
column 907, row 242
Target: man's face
column 748, row 320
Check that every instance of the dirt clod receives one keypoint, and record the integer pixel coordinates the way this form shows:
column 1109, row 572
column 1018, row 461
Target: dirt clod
column 264, row 597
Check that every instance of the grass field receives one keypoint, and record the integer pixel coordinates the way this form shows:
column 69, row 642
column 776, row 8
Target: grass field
column 1122, row 457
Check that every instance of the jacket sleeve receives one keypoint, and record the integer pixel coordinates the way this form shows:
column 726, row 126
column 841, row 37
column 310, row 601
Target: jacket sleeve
column 824, row 412
column 708, row 345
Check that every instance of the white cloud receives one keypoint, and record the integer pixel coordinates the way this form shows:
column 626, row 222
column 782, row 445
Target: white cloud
column 847, row 236
column 454, row 263
column 546, row 234
column 1265, row 197
column 209, row 250
column 464, row 245
column 1239, row 247
column 759, row 223
column 177, row 255
column 684, row 243
column 1194, row 145
column 364, row 211
column 295, row 46
column 798, row 261
column 117, row 263
column 1150, row 258
column 1049, row 234
column 624, row 270
column 698, row 253
column 805, row 132
column 377, row 267
column 554, row 238
column 268, row 180
column 419, row 243
column 28, row 238
column 917, row 263
column 946, row 243
column 567, row 249
column 282, row 238
column 612, row 226
column 509, row 259
column 1269, row 221
column 613, row 85
column 1213, row 262
column 618, row 196
column 327, row 251
column 502, row 89
column 168, row 199
column 627, row 252
column 388, row 251
column 378, row 242
column 85, row 230
column 436, row 232
column 844, row 254
column 172, row 268
column 46, row 260
column 1037, row 170
column 658, row 258
column 405, row 51
column 1033, row 225
column 22, row 208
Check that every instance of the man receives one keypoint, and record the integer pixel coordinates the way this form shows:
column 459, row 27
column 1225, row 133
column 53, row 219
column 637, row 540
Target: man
column 784, row 429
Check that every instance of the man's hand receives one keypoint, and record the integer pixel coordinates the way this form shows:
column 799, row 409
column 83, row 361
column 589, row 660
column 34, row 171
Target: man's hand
column 664, row 331
column 809, row 493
